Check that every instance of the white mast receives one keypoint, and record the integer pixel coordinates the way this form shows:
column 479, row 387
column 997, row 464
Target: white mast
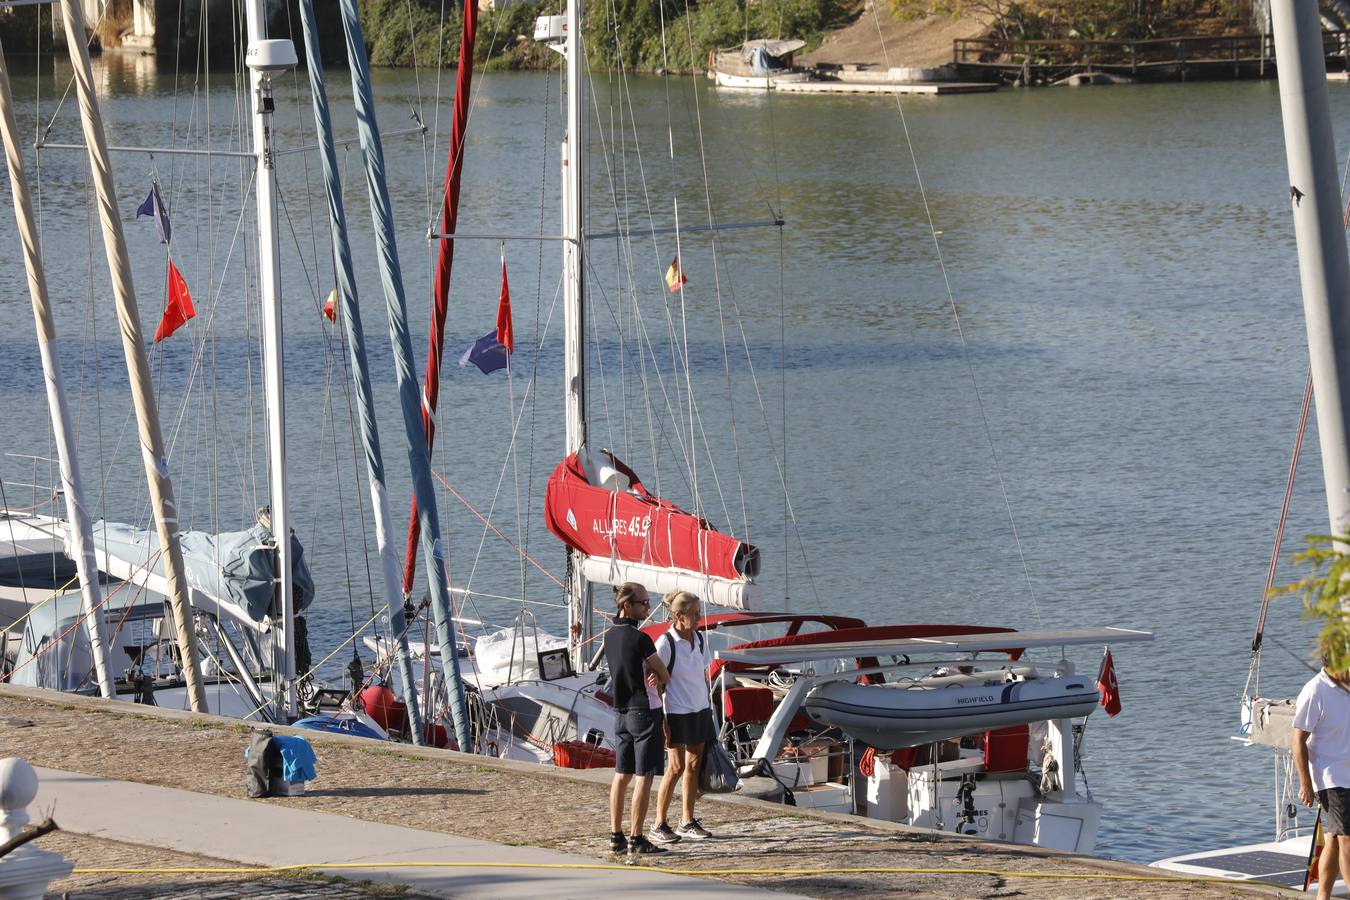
column 81, row 529
column 133, row 347
column 1324, row 268
column 574, row 340
column 265, row 57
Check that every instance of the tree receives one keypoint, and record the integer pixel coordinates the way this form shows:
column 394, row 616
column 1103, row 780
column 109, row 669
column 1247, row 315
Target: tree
column 1326, row 596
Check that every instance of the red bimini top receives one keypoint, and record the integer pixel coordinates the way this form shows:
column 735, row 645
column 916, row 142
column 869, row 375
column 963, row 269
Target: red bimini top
column 634, row 526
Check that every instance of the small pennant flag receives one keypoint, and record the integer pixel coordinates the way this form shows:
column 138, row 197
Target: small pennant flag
column 487, row 353
column 505, row 335
column 154, row 207
column 675, row 276
column 1107, row 684
column 330, row 306
column 179, row 308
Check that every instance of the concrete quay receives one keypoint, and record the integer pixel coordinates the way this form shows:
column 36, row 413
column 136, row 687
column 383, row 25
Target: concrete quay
column 119, row 766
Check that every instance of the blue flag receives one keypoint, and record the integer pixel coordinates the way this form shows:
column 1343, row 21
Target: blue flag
column 154, row 206
column 487, row 353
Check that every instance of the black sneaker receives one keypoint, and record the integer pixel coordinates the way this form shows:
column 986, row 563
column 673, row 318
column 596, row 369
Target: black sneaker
column 694, row 831
column 617, row 842
column 662, row 834
column 638, row 845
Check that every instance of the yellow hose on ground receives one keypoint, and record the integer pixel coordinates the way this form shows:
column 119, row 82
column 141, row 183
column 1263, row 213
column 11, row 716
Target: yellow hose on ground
column 858, row 870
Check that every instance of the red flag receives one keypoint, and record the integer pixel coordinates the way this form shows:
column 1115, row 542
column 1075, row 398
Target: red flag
column 1106, row 683
column 330, row 306
column 505, row 336
column 179, row 308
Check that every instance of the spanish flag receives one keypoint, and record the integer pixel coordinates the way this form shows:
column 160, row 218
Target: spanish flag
column 1319, row 840
column 675, row 276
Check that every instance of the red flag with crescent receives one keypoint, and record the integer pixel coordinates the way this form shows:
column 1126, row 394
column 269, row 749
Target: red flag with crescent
column 179, row 308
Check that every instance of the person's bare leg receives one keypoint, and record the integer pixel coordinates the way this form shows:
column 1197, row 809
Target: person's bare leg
column 616, row 791
column 674, row 767
column 694, row 763
column 642, row 795
column 1342, row 857
column 1327, row 867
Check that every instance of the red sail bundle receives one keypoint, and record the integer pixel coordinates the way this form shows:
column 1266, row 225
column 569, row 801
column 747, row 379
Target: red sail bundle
column 631, row 524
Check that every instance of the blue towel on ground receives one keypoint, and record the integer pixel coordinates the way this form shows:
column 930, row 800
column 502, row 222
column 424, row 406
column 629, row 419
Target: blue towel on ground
column 297, row 758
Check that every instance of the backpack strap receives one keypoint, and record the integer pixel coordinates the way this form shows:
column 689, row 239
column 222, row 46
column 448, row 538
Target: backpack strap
column 674, row 651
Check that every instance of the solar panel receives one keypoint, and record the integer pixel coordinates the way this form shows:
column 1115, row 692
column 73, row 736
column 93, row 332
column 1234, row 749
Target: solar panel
column 1264, row 865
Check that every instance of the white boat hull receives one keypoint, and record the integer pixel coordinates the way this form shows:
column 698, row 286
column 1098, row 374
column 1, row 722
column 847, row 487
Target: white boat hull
column 889, row 717
column 758, row 82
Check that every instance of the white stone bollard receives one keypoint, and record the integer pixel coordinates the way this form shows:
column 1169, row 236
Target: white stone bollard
column 26, row 871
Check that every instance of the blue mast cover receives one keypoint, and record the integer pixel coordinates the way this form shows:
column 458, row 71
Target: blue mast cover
column 356, row 339
column 396, row 304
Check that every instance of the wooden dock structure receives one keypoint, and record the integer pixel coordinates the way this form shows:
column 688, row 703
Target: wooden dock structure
column 933, row 88
column 1033, row 62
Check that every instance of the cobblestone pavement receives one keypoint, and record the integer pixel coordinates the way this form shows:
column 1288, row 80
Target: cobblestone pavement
column 91, row 852
column 512, row 804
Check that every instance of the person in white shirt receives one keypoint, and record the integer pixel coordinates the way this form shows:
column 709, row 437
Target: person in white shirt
column 689, row 717
column 1321, row 747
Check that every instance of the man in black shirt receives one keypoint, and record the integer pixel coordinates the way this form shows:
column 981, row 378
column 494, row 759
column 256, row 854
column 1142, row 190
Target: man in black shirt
column 635, row 671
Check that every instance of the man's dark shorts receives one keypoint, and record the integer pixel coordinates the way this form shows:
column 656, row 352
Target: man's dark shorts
column 1335, row 803
column 640, row 742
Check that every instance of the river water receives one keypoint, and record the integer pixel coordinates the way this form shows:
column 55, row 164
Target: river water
column 1125, row 378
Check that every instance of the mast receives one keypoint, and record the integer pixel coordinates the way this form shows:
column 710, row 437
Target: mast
column 264, row 57
column 356, row 351
column 133, row 346
column 396, row 305
column 81, row 528
column 1324, row 269
column 445, row 258
column 574, row 338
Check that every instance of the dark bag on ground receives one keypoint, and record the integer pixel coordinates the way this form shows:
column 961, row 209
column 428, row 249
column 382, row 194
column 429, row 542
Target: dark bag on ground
column 718, row 773
column 264, row 758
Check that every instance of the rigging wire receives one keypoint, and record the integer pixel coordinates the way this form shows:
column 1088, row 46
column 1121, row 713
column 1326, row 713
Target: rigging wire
column 960, row 331
column 1253, row 682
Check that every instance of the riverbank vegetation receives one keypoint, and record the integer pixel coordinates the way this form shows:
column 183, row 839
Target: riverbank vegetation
column 636, row 35
column 1103, row 20
column 647, row 36
column 665, row 35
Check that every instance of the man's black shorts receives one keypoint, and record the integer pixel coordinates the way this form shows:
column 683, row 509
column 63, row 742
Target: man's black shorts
column 1335, row 803
column 640, row 742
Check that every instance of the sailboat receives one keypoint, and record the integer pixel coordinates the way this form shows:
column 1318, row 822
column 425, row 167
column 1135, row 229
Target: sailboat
column 758, row 65
column 1324, row 269
column 793, row 691
column 248, row 581
column 829, row 685
column 32, row 539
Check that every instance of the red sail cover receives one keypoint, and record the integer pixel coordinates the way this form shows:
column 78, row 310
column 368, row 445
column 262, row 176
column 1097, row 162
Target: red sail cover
column 454, row 169
column 634, row 526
